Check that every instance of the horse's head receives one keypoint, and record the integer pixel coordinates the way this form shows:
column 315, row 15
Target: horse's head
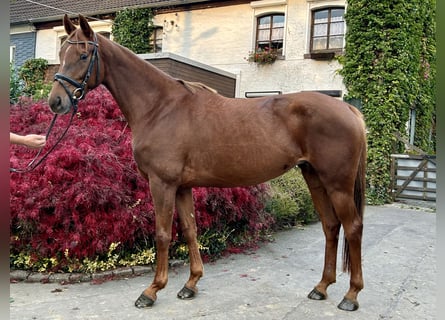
column 79, row 68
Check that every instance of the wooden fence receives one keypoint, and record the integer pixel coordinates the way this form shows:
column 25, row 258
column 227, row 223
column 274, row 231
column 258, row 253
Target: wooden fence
column 413, row 177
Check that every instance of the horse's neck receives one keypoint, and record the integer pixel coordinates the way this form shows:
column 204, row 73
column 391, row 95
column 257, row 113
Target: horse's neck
column 135, row 84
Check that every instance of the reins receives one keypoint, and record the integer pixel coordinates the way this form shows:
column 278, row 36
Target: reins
column 33, row 164
column 74, row 99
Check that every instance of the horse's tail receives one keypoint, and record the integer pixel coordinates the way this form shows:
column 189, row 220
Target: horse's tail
column 359, row 191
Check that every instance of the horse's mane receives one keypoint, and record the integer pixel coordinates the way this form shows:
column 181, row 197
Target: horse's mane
column 192, row 86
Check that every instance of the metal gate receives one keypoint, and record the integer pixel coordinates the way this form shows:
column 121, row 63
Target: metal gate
column 413, row 177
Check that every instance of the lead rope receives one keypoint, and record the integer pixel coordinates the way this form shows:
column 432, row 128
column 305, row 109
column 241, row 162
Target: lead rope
column 33, row 164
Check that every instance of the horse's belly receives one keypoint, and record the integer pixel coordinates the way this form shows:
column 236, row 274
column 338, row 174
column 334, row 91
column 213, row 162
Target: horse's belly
column 238, row 166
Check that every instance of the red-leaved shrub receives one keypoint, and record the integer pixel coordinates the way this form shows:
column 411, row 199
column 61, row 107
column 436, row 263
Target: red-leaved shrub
column 87, row 193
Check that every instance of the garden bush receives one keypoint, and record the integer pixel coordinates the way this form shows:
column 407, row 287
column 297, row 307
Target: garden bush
column 290, row 201
column 85, row 208
column 28, row 81
column 32, row 72
column 16, row 84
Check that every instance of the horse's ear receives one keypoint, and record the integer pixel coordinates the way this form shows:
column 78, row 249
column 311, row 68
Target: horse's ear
column 87, row 31
column 69, row 26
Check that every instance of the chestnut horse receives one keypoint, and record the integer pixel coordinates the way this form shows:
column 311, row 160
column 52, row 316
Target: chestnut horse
column 186, row 135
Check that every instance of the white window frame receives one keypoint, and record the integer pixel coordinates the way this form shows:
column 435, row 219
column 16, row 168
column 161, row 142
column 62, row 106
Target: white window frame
column 12, row 52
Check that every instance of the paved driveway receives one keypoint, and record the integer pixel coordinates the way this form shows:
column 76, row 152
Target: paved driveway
column 399, row 266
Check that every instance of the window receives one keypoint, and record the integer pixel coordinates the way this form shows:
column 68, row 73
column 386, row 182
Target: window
column 12, row 54
column 156, row 39
column 270, row 32
column 328, row 30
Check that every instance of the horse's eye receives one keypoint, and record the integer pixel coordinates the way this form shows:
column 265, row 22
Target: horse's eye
column 83, row 56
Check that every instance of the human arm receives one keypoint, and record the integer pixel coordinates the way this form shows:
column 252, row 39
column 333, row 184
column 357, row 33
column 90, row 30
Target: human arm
column 29, row 140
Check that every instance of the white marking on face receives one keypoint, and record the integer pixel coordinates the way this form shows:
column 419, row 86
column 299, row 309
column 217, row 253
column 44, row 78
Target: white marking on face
column 66, row 53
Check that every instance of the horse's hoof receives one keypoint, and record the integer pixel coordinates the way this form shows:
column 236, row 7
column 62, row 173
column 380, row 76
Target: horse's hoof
column 316, row 295
column 348, row 305
column 144, row 302
column 186, row 293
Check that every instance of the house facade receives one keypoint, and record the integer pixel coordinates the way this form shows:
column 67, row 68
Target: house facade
column 22, row 44
column 305, row 36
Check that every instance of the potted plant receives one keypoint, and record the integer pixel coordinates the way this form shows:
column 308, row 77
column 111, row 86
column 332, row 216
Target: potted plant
column 262, row 56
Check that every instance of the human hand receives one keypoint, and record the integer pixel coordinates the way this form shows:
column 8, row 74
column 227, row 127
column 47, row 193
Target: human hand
column 34, row 140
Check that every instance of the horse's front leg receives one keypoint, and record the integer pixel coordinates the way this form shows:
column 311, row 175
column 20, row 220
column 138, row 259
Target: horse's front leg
column 163, row 199
column 185, row 207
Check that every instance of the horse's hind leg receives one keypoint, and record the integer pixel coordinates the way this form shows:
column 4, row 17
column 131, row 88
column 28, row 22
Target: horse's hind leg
column 353, row 229
column 331, row 229
column 163, row 199
column 184, row 205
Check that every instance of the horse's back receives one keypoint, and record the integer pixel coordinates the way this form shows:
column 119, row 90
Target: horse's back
column 315, row 114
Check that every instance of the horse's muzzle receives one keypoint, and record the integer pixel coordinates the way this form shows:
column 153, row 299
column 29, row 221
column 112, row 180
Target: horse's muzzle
column 58, row 104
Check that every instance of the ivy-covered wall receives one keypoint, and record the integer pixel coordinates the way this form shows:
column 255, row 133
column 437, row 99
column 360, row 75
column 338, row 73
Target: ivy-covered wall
column 132, row 29
column 389, row 65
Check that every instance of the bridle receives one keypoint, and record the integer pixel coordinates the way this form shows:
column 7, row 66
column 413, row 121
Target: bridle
column 74, row 99
column 80, row 86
